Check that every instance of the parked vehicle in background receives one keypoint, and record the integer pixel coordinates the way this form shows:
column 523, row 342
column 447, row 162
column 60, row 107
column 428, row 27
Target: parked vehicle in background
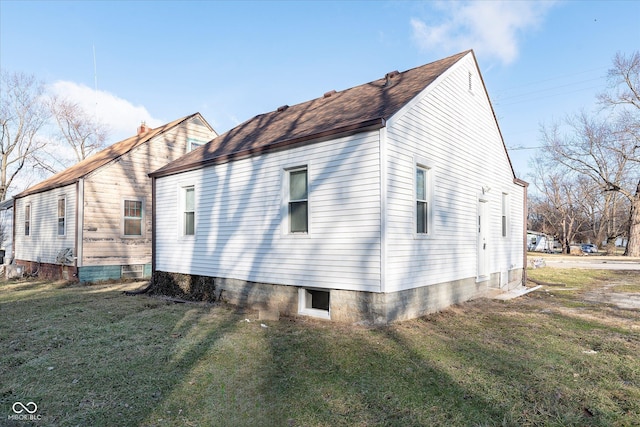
column 589, row 248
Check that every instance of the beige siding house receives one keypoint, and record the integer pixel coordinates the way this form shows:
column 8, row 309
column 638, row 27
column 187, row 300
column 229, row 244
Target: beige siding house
column 93, row 220
column 376, row 203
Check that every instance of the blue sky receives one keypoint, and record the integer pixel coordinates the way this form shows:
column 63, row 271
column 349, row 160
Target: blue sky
column 158, row 61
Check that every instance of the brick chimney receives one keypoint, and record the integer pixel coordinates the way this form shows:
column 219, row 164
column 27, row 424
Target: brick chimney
column 143, row 128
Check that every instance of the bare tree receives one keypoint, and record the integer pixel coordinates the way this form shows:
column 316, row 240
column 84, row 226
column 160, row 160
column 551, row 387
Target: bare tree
column 22, row 115
column 607, row 149
column 77, row 129
column 558, row 208
column 611, row 218
column 624, row 96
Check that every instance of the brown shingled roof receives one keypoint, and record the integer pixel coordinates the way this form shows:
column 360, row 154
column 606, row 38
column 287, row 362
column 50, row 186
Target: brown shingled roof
column 101, row 158
column 353, row 110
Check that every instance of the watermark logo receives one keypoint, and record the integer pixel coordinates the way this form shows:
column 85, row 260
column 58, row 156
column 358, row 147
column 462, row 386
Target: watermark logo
column 24, row 412
column 19, row 408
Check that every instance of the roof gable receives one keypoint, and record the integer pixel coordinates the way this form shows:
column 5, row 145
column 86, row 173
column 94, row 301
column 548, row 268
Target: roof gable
column 102, row 158
column 351, row 110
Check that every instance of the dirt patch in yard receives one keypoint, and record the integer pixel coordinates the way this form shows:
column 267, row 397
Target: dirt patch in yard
column 607, row 294
column 608, row 297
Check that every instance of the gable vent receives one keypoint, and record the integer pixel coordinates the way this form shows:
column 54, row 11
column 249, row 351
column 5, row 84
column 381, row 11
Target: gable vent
column 282, row 108
column 329, row 94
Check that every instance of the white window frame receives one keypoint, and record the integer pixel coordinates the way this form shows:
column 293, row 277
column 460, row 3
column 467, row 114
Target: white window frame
column 193, row 143
column 124, row 217
column 62, row 199
column 286, row 224
column 304, row 304
column 504, row 218
column 27, row 219
column 182, row 202
column 423, row 164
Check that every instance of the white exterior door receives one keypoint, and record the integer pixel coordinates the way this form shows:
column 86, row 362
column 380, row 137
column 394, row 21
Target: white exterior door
column 483, row 244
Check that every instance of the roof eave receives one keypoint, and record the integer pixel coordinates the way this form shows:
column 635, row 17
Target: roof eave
column 348, row 130
column 143, row 140
column 26, row 192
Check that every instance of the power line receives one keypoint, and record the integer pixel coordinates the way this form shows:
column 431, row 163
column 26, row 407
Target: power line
column 573, row 74
column 553, row 88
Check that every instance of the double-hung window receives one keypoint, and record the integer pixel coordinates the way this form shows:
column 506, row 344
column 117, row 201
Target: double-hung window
column 505, row 209
column 27, row 220
column 132, row 217
column 298, row 205
column 189, row 219
column 62, row 216
column 422, row 200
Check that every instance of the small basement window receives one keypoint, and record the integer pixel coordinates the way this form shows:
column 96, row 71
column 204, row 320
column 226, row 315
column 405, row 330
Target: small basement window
column 314, row 302
column 132, row 271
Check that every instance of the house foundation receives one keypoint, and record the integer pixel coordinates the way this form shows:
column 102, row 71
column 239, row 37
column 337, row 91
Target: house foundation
column 272, row 300
column 48, row 271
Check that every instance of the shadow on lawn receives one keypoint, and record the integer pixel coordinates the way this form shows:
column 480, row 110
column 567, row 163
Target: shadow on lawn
column 99, row 359
column 391, row 385
column 477, row 369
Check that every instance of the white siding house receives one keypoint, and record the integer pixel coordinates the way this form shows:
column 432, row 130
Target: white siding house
column 6, row 230
column 381, row 202
column 92, row 221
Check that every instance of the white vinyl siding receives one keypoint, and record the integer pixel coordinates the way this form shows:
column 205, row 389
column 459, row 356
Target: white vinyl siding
column 362, row 206
column 456, row 130
column 44, row 241
column 240, row 218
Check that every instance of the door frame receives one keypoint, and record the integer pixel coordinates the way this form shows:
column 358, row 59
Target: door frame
column 483, row 248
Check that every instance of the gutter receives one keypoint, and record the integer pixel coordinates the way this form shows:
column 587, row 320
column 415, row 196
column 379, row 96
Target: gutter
column 352, row 129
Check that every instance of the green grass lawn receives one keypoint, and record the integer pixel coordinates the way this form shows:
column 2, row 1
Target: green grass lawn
column 92, row 356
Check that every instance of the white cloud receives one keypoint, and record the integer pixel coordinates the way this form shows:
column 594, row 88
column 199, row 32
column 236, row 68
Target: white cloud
column 122, row 117
column 491, row 28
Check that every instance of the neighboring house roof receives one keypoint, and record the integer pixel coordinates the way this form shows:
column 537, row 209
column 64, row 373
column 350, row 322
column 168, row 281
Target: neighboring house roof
column 350, row 111
column 101, row 158
column 7, row 204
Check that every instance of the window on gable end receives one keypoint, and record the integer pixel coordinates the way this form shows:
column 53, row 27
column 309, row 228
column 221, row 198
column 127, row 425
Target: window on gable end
column 192, row 144
column 423, row 200
column 62, row 216
column 505, row 216
column 27, row 219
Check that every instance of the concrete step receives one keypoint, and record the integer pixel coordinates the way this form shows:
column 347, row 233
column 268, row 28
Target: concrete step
column 514, row 293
